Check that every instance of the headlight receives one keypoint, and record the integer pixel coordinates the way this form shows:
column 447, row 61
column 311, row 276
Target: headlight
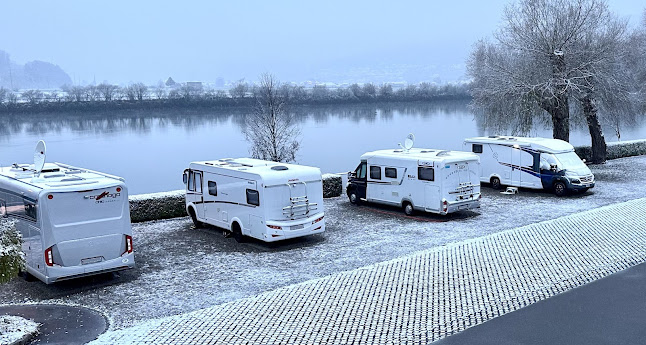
column 575, row 180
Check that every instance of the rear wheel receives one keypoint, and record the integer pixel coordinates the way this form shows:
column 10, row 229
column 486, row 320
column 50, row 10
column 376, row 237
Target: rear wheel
column 237, row 233
column 560, row 188
column 495, row 183
column 408, row 209
column 197, row 223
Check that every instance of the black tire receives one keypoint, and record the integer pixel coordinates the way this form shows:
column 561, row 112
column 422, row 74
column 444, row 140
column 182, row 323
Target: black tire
column 408, row 208
column 495, row 183
column 560, row 189
column 237, row 233
column 197, row 223
column 354, row 198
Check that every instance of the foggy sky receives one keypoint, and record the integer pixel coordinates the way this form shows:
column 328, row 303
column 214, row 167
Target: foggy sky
column 131, row 41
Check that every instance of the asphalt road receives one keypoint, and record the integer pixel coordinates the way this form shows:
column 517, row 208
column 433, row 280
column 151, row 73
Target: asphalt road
column 611, row 310
column 180, row 268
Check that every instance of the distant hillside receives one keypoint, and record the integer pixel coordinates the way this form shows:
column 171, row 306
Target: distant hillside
column 32, row 75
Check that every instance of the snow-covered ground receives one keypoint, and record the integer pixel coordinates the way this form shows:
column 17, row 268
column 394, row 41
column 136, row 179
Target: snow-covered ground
column 14, row 328
column 180, row 269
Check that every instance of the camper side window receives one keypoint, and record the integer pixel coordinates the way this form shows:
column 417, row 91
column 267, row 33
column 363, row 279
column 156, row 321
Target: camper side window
column 375, row 173
column 213, row 188
column 198, row 182
column 253, row 198
column 425, row 173
column 476, row 148
column 191, row 181
column 30, row 210
column 391, row 172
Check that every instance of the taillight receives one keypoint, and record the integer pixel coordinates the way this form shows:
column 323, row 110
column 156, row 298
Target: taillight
column 118, row 189
column 128, row 244
column 317, row 220
column 445, row 205
column 50, row 197
column 276, row 227
column 49, row 257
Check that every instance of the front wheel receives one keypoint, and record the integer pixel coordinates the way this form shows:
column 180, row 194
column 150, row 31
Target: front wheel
column 197, row 223
column 408, row 209
column 559, row 188
column 354, row 198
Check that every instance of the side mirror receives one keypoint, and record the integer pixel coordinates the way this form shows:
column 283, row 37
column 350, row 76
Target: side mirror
column 185, row 177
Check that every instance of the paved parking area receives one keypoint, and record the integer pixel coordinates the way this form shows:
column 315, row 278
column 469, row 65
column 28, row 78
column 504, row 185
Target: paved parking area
column 421, row 297
column 181, row 269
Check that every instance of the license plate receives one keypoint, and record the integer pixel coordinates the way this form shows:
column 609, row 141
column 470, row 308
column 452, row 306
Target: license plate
column 93, row 260
column 296, row 227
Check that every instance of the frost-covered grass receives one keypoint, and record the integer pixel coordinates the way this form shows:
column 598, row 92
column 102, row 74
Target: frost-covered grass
column 181, row 269
column 11, row 256
column 15, row 328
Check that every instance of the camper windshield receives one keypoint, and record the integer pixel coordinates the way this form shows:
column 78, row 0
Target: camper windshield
column 569, row 161
column 562, row 161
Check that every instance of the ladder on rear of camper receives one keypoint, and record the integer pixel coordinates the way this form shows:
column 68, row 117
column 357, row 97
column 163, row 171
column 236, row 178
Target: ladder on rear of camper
column 299, row 205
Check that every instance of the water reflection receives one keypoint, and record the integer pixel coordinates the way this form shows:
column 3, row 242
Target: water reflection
column 151, row 148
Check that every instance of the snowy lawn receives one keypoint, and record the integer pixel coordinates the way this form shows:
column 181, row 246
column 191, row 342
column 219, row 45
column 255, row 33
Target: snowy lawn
column 14, row 328
column 180, row 268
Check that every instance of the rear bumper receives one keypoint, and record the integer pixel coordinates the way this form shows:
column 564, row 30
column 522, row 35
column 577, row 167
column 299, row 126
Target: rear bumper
column 59, row 273
column 462, row 206
column 287, row 231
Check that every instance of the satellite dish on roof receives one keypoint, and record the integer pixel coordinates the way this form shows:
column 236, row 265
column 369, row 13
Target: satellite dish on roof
column 410, row 140
column 39, row 156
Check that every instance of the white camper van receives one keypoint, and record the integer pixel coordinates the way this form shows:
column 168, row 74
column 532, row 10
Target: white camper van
column 427, row 180
column 265, row 200
column 74, row 222
column 536, row 163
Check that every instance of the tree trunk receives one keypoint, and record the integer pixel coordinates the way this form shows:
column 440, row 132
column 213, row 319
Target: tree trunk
column 559, row 109
column 598, row 141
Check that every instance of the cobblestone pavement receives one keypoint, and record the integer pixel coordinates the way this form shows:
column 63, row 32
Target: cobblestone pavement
column 424, row 296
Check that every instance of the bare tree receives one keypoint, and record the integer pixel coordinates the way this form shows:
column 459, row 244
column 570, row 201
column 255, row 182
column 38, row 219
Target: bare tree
column 107, row 91
column 547, row 52
column 160, row 90
column 140, row 90
column 320, row 92
column 3, row 94
column 32, row 96
column 270, row 128
column 240, row 90
column 74, row 93
column 386, row 91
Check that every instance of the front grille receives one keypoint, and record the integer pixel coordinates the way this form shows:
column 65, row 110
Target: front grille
column 587, row 179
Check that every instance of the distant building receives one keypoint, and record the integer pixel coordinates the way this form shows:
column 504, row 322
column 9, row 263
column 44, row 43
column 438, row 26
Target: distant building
column 219, row 82
column 194, row 85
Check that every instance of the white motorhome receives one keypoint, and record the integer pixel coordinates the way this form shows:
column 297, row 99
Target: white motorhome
column 265, row 200
column 427, row 180
column 537, row 163
column 74, row 222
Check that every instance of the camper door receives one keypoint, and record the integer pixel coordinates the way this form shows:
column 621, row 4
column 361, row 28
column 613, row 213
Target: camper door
column 194, row 191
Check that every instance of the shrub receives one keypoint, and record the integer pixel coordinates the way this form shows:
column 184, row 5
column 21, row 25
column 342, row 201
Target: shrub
column 12, row 259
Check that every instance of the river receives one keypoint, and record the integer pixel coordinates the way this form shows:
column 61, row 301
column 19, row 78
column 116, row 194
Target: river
column 152, row 148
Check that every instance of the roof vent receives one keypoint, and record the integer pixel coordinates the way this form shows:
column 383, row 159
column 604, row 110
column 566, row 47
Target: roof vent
column 279, row 167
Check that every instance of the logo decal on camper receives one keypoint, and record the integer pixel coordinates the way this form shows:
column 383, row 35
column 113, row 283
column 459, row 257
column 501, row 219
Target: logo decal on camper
column 103, row 197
